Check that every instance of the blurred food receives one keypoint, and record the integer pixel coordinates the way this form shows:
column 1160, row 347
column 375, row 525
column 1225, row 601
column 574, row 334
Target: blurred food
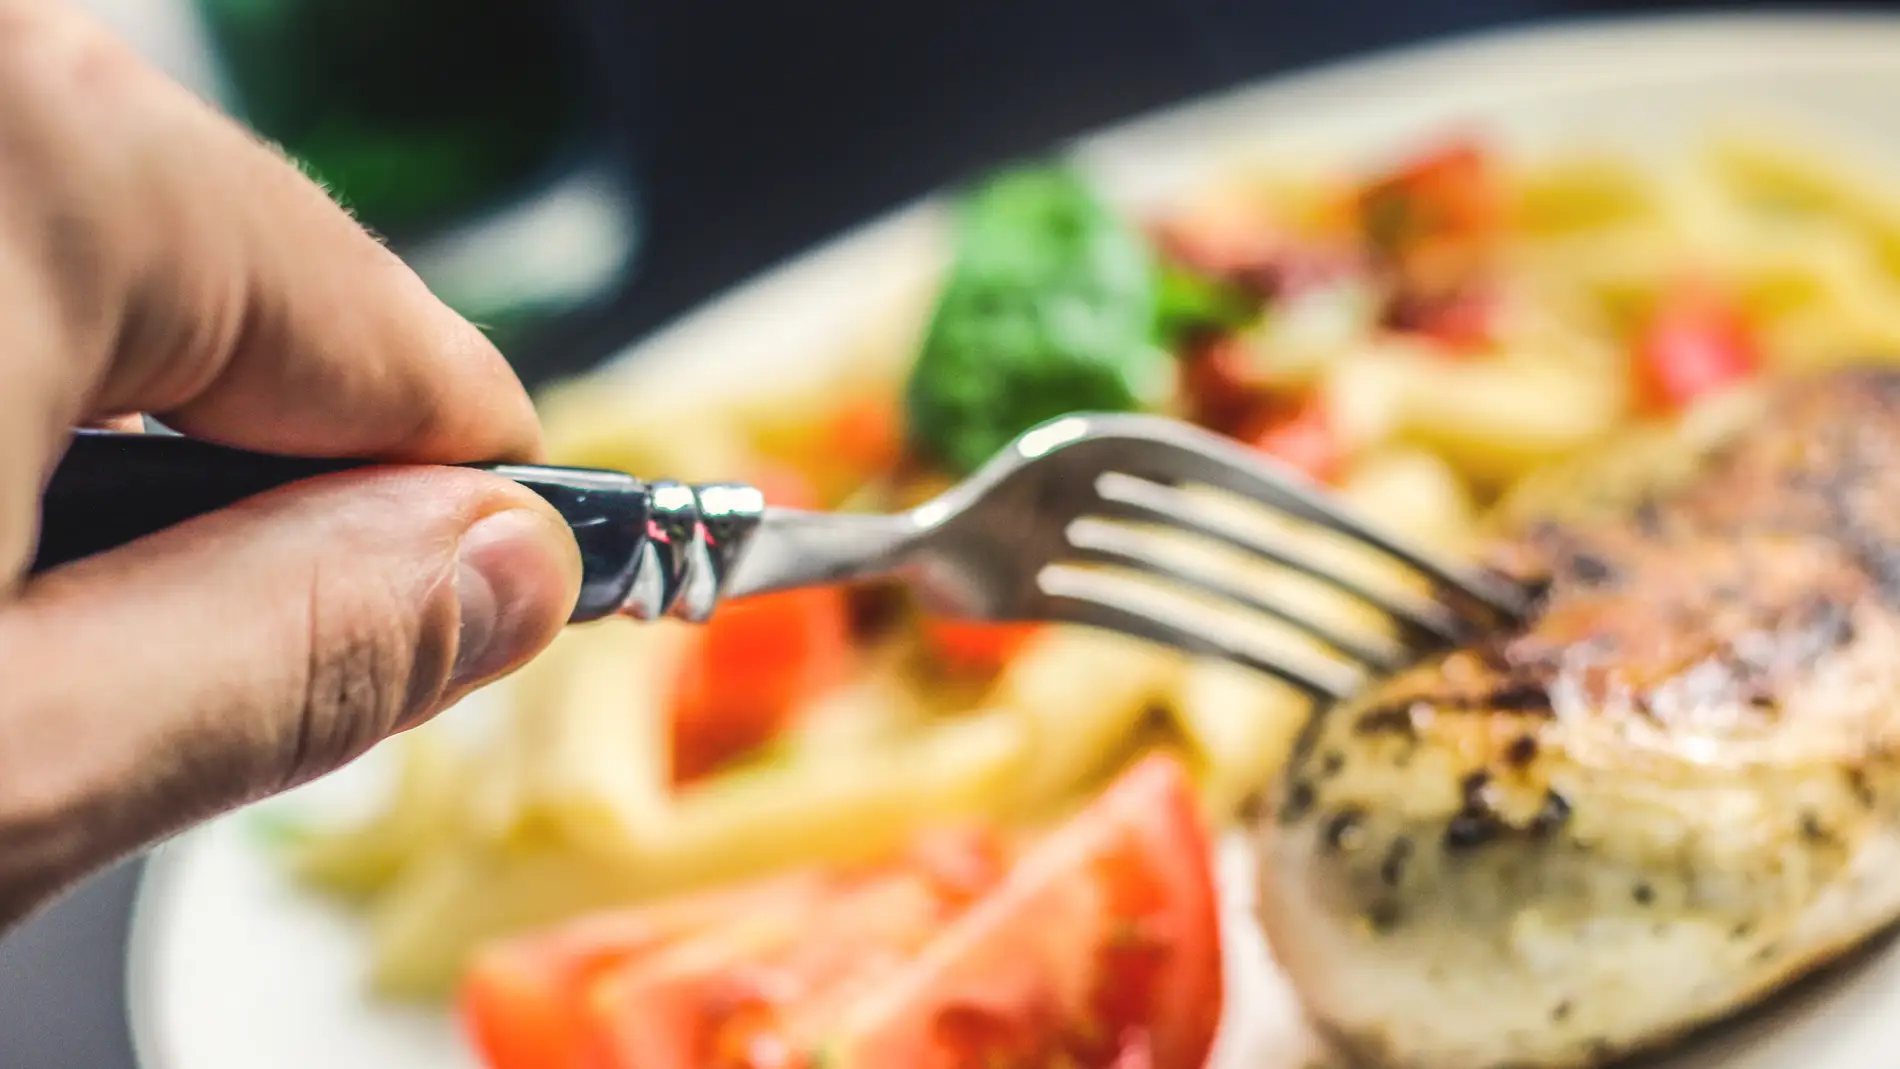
column 1695, row 342
column 1458, row 341
column 1049, row 308
column 1668, row 793
column 1095, row 946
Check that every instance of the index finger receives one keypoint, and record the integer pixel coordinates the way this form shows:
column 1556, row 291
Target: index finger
column 186, row 270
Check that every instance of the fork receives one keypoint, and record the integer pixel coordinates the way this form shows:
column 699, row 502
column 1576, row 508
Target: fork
column 1051, row 530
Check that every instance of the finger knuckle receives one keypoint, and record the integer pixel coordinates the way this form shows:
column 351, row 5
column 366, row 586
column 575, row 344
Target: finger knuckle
column 65, row 87
column 54, row 61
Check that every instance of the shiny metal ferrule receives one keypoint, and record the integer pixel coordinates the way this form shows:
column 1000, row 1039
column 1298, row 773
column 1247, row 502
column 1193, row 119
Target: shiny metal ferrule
column 694, row 537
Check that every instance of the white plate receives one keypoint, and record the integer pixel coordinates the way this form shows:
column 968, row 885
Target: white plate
column 231, row 968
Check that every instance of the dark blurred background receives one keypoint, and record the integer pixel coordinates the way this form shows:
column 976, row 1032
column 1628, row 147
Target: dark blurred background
column 760, row 129
column 574, row 173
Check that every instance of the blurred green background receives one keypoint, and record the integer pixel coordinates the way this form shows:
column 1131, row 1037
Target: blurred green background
column 466, row 133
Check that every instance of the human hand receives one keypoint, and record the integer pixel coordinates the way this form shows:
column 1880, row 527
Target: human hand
column 155, row 258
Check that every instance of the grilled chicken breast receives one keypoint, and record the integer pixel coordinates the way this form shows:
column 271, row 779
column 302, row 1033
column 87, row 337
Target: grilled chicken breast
column 1672, row 789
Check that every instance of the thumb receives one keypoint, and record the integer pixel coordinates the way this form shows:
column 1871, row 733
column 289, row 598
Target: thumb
column 255, row 648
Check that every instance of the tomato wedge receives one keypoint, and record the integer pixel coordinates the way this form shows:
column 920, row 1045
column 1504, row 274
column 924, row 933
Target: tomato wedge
column 1221, row 384
column 866, row 435
column 755, row 664
column 1451, row 192
column 758, row 660
column 975, row 647
column 861, row 438
column 756, row 994
column 1302, row 438
column 1102, row 947
column 1695, row 344
column 1435, row 225
column 690, row 1005
column 1098, row 949
column 522, row 1000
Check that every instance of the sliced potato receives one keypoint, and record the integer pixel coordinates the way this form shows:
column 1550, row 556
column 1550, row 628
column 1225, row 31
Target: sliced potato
column 1080, row 693
column 1782, row 173
column 1498, row 419
column 1239, row 726
column 847, row 806
column 591, row 733
column 1416, row 494
column 875, row 710
column 1582, row 194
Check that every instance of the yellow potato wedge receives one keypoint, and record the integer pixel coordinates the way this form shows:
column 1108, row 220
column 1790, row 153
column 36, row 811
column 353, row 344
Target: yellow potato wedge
column 1238, row 726
column 846, row 806
column 591, row 736
column 1081, row 693
column 1497, row 419
column 1413, row 493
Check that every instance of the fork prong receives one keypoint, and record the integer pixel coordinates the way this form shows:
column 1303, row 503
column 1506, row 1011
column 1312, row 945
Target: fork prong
column 1131, row 499
column 1076, row 597
column 1172, row 452
column 1100, row 543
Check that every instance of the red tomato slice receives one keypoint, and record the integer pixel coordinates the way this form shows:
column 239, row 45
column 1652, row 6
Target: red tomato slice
column 1099, row 950
column 866, row 435
column 1435, row 225
column 1461, row 321
column 758, row 660
column 860, row 439
column 1221, row 385
column 675, row 1009
column 1303, row 439
column 1102, row 947
column 521, row 999
column 755, row 996
column 976, row 647
column 1449, row 192
column 1695, row 344
column 1254, row 253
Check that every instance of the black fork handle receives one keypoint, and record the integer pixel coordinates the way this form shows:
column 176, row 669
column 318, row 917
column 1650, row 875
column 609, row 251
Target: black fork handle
column 111, row 489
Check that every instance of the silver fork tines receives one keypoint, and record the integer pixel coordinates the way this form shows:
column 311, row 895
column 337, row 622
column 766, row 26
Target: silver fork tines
column 1057, row 526
column 1128, row 498
column 1095, row 600
column 1119, row 546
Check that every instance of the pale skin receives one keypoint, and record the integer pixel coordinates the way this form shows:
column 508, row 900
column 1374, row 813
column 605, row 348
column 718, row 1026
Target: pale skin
column 155, row 258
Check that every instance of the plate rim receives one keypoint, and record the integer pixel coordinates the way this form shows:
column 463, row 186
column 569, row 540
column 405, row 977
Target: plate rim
column 909, row 230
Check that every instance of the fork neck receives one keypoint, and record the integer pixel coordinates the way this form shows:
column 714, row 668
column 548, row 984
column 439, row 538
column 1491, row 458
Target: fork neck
column 793, row 548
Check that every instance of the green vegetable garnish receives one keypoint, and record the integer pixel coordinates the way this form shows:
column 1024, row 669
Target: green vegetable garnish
column 1187, row 303
column 1050, row 308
